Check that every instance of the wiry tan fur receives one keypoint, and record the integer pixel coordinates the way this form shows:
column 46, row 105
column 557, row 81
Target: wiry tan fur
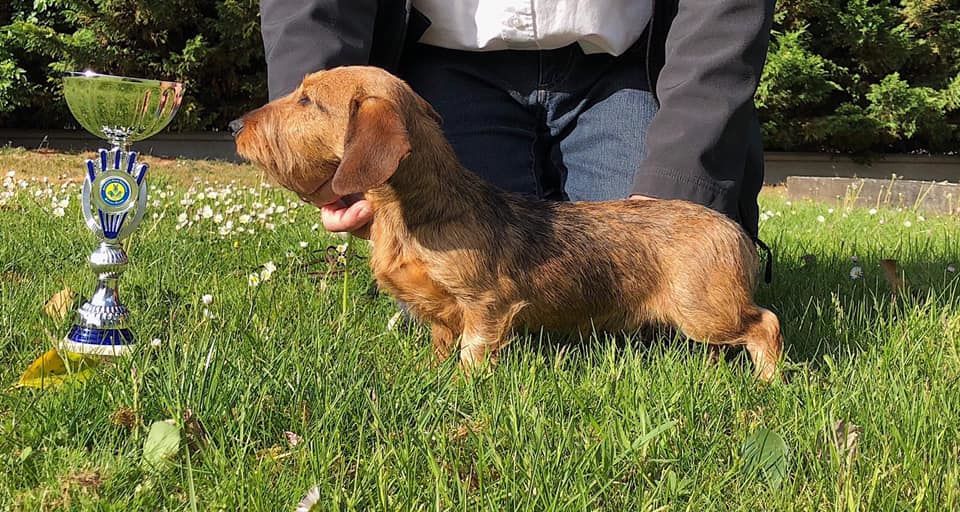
column 476, row 262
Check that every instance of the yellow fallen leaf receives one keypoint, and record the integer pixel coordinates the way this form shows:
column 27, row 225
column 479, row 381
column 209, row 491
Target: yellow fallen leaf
column 51, row 370
column 59, row 305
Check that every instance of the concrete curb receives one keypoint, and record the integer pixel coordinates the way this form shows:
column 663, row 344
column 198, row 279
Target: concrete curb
column 220, row 146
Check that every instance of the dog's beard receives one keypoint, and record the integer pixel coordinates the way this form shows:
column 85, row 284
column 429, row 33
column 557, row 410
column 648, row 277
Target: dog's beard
column 302, row 171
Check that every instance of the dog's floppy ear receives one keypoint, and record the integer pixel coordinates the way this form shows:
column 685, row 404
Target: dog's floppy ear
column 375, row 143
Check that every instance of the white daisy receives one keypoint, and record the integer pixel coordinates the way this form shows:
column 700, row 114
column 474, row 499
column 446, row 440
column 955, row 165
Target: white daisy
column 820, row 218
column 304, row 245
column 207, row 299
column 292, row 438
column 253, row 280
column 268, row 269
column 155, row 342
column 309, row 503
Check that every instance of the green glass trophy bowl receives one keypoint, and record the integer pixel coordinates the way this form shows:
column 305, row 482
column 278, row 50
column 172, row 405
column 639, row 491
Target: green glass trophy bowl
column 120, row 110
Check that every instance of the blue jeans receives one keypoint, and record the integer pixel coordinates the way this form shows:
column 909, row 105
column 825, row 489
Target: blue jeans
column 556, row 124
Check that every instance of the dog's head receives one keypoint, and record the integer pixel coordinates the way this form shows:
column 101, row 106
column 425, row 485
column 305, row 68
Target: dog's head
column 350, row 126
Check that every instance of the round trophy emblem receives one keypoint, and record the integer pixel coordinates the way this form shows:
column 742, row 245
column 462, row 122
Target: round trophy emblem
column 114, row 192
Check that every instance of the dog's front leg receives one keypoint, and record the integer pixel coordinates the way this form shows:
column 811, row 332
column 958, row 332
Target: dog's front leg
column 476, row 347
column 443, row 340
column 485, row 332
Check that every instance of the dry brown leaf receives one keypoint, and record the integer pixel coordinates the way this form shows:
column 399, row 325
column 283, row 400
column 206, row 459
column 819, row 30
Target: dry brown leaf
column 466, row 428
column 83, row 482
column 196, row 433
column 124, row 417
column 12, row 277
column 891, row 272
column 86, row 480
column 846, row 438
column 60, row 304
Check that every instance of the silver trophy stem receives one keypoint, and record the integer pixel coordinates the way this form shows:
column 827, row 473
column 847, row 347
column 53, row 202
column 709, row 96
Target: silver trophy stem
column 103, row 313
column 118, row 140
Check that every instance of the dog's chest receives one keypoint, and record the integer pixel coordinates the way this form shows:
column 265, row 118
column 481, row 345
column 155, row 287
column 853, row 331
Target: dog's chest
column 405, row 276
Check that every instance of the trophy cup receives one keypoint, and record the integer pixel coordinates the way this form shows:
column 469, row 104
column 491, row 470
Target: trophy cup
column 120, row 110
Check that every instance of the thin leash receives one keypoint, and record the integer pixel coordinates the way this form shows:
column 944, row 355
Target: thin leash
column 768, row 271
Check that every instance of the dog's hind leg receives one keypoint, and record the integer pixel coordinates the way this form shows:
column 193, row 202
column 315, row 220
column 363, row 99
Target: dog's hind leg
column 755, row 328
column 764, row 341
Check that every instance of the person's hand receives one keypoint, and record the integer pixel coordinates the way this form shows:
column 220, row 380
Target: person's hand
column 350, row 214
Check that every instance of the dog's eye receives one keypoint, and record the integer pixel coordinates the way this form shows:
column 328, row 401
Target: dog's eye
column 304, row 100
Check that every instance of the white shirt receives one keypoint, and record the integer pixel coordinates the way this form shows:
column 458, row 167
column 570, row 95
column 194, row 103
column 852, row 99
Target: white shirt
column 599, row 26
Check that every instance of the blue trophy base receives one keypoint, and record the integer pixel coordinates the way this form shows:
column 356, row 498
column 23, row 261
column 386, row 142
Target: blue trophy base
column 95, row 341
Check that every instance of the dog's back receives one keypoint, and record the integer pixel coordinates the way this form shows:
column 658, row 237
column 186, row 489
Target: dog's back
column 622, row 264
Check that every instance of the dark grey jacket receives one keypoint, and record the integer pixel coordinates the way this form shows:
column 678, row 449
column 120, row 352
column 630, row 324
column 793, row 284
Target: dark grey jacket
column 705, row 59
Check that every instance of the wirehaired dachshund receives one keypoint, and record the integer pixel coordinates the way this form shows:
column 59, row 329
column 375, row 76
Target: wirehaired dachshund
column 478, row 263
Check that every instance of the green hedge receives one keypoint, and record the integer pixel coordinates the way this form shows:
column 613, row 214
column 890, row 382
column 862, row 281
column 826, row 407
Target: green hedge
column 213, row 46
column 854, row 76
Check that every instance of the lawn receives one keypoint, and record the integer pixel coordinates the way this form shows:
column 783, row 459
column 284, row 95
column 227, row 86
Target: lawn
column 280, row 386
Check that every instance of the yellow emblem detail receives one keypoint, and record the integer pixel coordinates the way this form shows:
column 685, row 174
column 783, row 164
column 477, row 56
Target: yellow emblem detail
column 115, row 191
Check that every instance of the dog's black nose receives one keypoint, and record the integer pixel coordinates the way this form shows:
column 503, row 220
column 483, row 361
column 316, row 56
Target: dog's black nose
column 235, row 126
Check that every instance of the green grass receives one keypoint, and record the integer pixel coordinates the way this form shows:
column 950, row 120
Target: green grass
column 606, row 423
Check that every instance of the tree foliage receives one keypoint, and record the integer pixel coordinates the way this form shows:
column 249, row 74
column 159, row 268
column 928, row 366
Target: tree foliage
column 851, row 76
column 213, row 46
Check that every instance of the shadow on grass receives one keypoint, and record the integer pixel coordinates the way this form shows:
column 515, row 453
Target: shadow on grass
column 823, row 312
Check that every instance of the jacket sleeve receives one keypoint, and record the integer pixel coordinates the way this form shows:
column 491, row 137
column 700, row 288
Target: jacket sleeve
column 303, row 36
column 699, row 141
